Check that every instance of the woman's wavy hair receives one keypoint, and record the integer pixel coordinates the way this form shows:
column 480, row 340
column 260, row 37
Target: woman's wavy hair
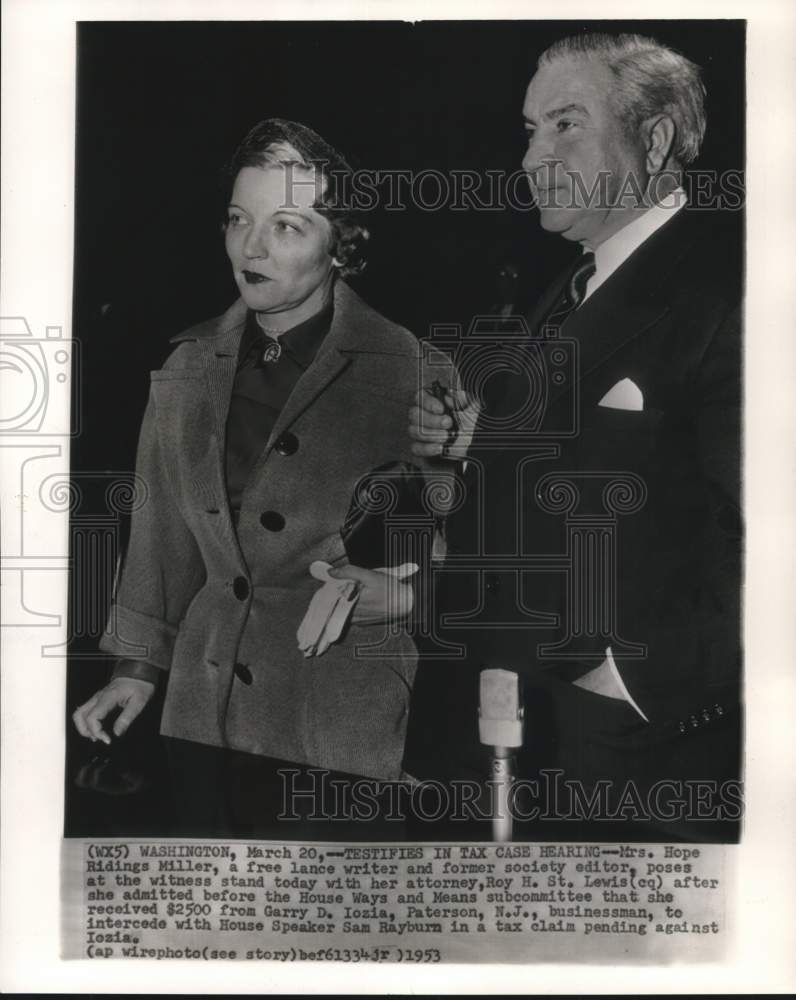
column 277, row 140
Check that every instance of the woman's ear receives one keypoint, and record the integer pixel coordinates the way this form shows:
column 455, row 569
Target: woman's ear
column 336, row 262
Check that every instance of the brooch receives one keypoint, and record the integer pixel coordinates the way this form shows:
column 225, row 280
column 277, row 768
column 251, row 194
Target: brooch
column 273, row 351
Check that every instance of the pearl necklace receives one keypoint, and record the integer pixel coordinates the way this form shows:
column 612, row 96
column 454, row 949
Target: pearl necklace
column 273, row 351
column 267, row 329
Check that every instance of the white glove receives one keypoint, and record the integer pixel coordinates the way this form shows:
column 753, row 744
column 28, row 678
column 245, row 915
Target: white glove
column 331, row 607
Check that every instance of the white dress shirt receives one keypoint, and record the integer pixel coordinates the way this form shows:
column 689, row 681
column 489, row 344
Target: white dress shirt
column 614, row 252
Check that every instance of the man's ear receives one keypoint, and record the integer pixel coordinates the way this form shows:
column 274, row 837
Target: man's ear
column 659, row 135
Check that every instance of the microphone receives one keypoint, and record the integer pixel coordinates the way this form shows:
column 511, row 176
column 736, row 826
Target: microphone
column 500, row 727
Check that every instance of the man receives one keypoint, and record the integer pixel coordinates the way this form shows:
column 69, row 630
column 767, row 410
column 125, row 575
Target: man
column 602, row 526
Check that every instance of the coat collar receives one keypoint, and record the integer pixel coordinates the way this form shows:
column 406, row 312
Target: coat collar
column 355, row 327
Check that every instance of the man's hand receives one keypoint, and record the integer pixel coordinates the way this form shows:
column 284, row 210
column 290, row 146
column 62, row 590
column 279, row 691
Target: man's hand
column 431, row 427
column 382, row 595
column 127, row 693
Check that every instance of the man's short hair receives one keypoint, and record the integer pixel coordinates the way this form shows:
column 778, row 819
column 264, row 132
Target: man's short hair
column 650, row 79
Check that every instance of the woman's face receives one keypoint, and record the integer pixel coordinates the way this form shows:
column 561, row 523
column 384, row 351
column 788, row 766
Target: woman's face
column 279, row 246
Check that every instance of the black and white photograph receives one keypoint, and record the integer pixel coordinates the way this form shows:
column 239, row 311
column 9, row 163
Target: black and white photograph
column 398, row 439
column 586, row 541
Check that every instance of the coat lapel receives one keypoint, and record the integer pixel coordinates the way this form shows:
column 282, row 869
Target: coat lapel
column 220, row 357
column 217, row 342
column 355, row 329
column 327, row 365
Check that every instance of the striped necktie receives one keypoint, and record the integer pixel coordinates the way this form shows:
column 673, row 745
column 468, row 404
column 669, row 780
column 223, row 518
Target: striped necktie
column 572, row 294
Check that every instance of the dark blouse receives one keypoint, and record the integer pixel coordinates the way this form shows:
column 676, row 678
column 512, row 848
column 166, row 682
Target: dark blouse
column 260, row 391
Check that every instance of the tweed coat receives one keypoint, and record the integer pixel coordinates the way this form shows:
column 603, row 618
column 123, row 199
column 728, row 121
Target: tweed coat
column 219, row 608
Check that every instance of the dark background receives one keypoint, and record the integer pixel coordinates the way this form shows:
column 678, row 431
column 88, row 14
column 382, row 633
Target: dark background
column 160, row 109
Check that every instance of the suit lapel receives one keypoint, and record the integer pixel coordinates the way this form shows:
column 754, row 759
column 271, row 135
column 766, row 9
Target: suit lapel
column 626, row 305
column 603, row 325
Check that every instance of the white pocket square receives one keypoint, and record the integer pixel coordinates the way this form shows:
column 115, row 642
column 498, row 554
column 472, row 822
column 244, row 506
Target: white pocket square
column 625, row 395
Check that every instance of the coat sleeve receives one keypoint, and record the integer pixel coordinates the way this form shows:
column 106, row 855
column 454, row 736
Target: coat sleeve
column 161, row 572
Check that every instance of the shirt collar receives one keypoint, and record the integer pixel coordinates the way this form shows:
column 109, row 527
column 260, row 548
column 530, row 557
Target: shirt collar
column 301, row 342
column 609, row 256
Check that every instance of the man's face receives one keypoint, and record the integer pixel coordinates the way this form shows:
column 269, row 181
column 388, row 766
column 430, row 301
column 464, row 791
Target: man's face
column 579, row 159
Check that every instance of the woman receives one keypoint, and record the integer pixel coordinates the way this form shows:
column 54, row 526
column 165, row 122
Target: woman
column 258, row 429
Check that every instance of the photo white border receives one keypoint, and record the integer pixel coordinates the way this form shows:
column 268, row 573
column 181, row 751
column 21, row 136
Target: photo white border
column 38, row 105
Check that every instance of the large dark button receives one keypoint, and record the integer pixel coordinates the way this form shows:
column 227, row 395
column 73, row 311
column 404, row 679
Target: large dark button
column 243, row 673
column 240, row 588
column 287, row 444
column 492, row 583
column 272, row 520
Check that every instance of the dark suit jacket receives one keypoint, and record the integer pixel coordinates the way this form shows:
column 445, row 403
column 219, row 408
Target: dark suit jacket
column 665, row 538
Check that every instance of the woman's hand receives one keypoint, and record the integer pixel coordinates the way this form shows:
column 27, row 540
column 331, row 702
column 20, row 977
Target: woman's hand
column 127, row 693
column 382, row 595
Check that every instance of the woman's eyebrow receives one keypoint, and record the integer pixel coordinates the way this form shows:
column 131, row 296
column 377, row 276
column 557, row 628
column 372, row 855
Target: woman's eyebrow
column 297, row 212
